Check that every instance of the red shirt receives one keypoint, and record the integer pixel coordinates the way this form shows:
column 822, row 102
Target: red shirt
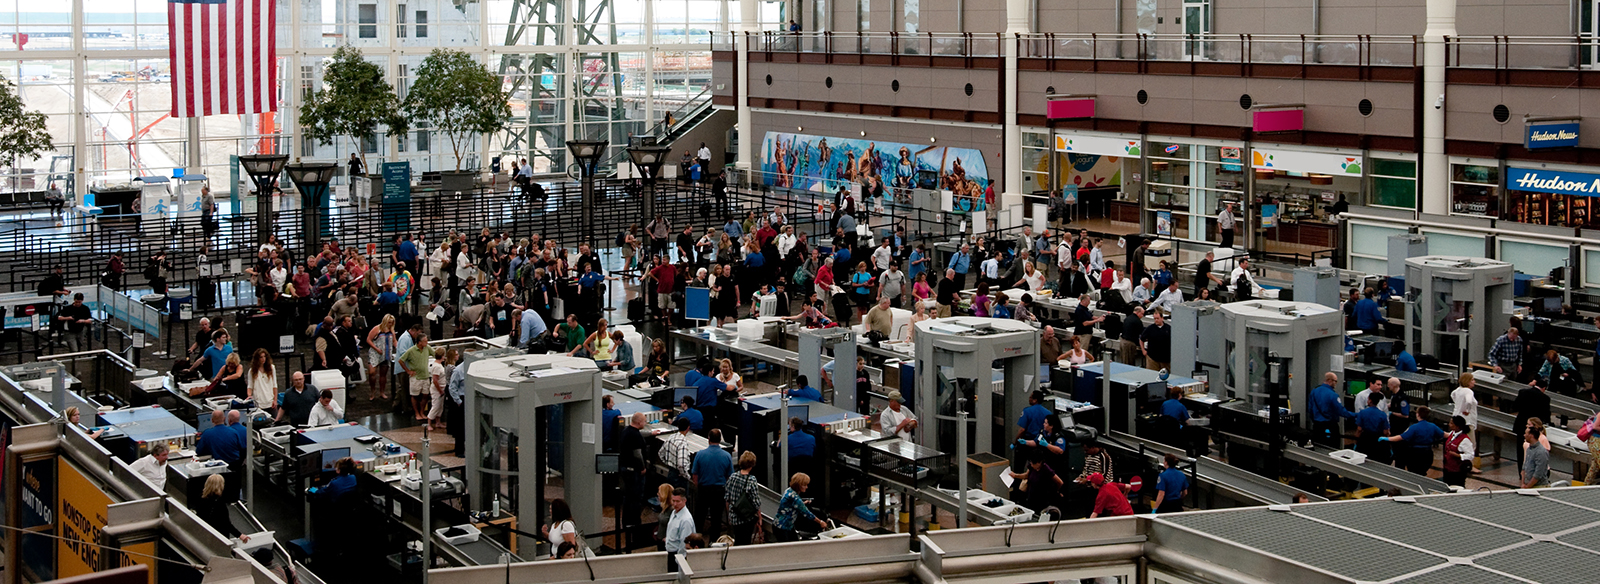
column 666, row 276
column 765, row 234
column 1111, row 502
column 825, row 275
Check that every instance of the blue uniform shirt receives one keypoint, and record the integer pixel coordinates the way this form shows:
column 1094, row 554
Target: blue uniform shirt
column 1325, row 405
column 712, row 466
column 691, row 377
column 807, row 392
column 707, row 388
column 1172, row 482
column 1032, row 420
column 339, row 487
column 222, row 443
column 1367, row 315
column 1405, row 362
column 1373, row 420
column 1423, row 434
column 608, row 426
column 696, row 421
column 1175, row 409
column 802, row 444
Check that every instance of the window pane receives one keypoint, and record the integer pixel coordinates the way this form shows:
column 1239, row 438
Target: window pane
column 1403, row 168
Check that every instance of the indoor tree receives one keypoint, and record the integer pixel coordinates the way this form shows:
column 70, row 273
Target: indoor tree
column 22, row 132
column 458, row 97
column 353, row 100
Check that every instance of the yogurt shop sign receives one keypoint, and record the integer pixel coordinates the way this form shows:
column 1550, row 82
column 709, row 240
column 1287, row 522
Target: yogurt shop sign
column 1547, row 181
column 1542, row 136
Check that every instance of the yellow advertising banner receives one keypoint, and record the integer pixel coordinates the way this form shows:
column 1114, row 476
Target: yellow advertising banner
column 81, row 515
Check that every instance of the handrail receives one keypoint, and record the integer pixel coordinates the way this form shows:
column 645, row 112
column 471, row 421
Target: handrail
column 661, row 131
column 1571, row 52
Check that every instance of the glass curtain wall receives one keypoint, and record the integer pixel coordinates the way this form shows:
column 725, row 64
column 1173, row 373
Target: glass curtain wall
column 573, row 68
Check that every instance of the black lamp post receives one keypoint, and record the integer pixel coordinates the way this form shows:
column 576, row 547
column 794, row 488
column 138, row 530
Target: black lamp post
column 649, row 159
column 263, row 170
column 587, row 153
column 312, row 180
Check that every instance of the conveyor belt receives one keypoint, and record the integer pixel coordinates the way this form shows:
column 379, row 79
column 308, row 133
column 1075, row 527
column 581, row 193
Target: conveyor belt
column 1378, row 475
column 1506, row 444
column 1560, row 405
column 730, row 342
column 1236, row 483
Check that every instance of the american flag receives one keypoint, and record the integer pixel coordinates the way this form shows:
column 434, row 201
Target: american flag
column 224, row 55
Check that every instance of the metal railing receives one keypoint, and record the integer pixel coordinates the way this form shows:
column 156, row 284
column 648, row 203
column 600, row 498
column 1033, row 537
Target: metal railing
column 1522, row 52
column 1363, row 50
column 869, row 43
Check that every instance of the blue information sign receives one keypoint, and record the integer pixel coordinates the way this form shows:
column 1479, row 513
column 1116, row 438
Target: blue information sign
column 1542, row 136
column 1553, row 181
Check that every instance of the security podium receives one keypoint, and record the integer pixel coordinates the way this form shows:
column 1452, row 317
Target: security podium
column 517, row 407
column 959, row 356
column 1457, row 305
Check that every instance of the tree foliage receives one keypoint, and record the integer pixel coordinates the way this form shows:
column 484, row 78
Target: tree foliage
column 353, row 100
column 458, row 97
column 22, row 132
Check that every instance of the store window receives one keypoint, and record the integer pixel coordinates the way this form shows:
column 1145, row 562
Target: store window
column 1392, row 183
column 1191, row 181
column 1475, row 190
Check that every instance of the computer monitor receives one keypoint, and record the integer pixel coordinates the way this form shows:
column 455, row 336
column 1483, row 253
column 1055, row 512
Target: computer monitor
column 678, row 393
column 606, row 463
column 203, row 422
column 802, row 412
column 1355, row 386
column 315, row 462
column 1549, row 306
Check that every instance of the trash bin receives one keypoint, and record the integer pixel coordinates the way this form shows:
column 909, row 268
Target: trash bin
column 179, row 302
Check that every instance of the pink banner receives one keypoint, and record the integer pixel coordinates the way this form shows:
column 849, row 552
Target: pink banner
column 1288, row 120
column 1069, row 109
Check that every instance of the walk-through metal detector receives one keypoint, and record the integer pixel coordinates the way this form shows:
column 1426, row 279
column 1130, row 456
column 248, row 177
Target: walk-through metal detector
column 511, row 404
column 958, row 356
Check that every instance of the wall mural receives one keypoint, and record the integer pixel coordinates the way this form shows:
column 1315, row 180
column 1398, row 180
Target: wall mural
column 823, row 164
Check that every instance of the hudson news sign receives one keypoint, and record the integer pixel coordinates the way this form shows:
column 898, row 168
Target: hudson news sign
column 1544, row 136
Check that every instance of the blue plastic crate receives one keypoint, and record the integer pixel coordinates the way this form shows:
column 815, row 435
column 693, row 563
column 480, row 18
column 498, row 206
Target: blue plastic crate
column 867, row 513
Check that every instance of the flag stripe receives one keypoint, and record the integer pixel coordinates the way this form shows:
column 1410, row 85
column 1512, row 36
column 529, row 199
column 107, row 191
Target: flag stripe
column 223, row 56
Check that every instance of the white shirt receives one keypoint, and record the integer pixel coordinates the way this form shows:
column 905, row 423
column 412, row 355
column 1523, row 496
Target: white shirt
column 1124, row 286
column 1467, row 449
column 558, row 534
column 321, row 416
column 1168, row 298
column 705, row 153
column 785, row 244
column 1035, row 280
column 153, row 471
column 889, row 419
column 264, row 386
column 1097, row 259
column 1064, row 255
column 1225, row 219
column 990, row 268
column 881, row 257
column 1466, row 405
column 463, row 266
column 1240, row 272
column 1361, row 400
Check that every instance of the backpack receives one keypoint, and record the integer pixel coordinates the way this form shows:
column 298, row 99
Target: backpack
column 745, row 506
